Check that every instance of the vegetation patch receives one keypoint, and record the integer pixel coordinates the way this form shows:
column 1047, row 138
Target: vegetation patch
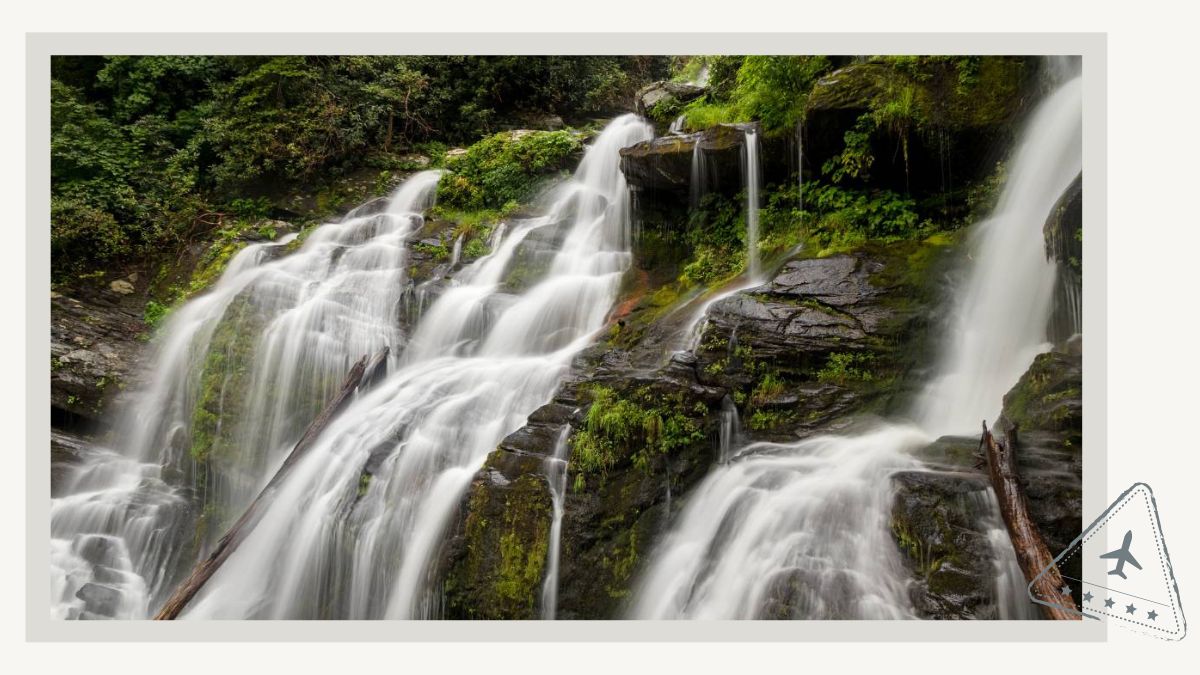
column 638, row 428
column 505, row 169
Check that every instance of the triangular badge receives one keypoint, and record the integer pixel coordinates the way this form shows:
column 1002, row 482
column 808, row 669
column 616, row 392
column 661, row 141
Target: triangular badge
column 1126, row 573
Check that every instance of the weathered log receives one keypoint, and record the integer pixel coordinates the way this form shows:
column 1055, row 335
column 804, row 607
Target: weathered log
column 204, row 570
column 1032, row 554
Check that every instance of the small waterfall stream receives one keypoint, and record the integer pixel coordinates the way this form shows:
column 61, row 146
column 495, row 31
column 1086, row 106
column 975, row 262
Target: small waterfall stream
column 753, row 172
column 800, row 530
column 556, row 477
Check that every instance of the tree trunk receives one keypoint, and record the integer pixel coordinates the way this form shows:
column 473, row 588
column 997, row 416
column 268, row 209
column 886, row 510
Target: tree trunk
column 362, row 373
column 1032, row 554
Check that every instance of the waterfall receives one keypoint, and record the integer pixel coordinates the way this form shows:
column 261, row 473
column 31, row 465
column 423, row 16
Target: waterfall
column 352, row 532
column 219, row 413
column 800, row 530
column 998, row 319
column 752, row 173
column 556, row 477
column 676, row 127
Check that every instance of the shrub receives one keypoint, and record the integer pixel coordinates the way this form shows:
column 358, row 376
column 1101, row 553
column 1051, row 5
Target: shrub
column 505, row 168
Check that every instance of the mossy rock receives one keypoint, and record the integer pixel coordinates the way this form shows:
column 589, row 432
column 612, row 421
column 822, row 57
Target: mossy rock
column 937, row 524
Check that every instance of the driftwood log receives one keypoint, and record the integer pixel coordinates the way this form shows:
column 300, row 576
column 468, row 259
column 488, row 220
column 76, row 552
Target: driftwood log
column 362, row 373
column 1032, row 554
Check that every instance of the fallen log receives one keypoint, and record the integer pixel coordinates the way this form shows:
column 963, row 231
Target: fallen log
column 1032, row 554
column 361, row 373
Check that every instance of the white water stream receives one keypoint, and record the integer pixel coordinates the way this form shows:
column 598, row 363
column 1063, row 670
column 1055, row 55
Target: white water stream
column 352, row 532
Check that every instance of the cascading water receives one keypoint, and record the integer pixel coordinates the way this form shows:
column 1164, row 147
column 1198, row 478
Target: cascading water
column 244, row 367
column 801, row 530
column 999, row 317
column 752, row 171
column 352, row 531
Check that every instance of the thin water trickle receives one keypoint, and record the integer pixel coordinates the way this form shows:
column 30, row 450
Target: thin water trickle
column 556, row 477
column 752, row 171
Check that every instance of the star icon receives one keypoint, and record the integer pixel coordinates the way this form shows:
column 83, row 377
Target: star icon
column 1130, row 609
column 1108, row 602
column 1152, row 615
column 1087, row 597
column 1066, row 589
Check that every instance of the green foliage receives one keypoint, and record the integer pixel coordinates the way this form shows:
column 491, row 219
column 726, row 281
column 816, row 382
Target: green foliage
column 143, row 146
column 769, row 89
column 840, row 219
column 715, row 233
column 155, row 313
column 638, row 427
column 505, row 168
column 845, row 367
column 767, row 389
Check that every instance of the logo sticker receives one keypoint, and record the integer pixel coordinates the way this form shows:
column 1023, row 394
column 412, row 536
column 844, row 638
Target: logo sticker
column 1126, row 573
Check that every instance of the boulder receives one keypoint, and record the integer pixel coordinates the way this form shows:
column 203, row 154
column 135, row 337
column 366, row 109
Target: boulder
column 665, row 96
column 958, row 130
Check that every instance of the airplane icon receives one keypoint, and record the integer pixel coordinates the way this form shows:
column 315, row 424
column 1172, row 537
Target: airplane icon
column 1122, row 556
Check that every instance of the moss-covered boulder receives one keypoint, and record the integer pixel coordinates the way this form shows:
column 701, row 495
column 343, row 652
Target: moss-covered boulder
column 663, row 101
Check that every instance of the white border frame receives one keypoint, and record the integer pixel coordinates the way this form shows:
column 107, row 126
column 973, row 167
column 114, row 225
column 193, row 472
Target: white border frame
column 39, row 46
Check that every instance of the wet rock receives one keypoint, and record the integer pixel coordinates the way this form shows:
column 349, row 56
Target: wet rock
column 937, row 523
column 99, row 549
column 1063, row 233
column 66, row 452
column 837, row 334
column 121, row 286
column 101, row 601
column 665, row 163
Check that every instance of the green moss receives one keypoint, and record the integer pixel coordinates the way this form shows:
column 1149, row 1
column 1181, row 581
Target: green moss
column 637, row 427
column 223, row 381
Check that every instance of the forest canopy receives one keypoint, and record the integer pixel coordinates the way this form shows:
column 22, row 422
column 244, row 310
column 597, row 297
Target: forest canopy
column 142, row 147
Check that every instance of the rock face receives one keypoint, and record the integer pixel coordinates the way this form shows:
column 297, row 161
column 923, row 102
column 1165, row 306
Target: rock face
column 1063, row 232
column 664, row 94
column 859, row 303
column 96, row 336
column 941, row 517
column 664, row 164
column 956, row 131
column 827, row 336
column 1043, row 420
